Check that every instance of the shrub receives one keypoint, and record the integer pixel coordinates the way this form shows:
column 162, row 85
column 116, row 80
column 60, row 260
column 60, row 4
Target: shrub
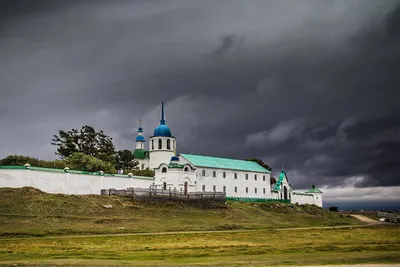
column 82, row 162
column 146, row 172
column 18, row 160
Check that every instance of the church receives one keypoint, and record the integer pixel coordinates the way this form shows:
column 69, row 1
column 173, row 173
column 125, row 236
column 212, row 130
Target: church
column 238, row 179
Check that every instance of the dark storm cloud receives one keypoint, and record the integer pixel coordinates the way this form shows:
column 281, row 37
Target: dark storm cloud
column 311, row 84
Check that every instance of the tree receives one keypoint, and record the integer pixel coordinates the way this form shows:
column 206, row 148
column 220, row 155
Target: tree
column 82, row 162
column 272, row 180
column 86, row 141
column 260, row 162
column 126, row 161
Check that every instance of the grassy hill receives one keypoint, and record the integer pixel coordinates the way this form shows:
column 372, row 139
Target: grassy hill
column 28, row 211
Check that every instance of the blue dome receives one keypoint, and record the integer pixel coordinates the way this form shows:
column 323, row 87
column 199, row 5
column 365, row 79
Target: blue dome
column 174, row 158
column 139, row 138
column 162, row 130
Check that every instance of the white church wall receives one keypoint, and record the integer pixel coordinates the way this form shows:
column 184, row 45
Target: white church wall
column 143, row 164
column 262, row 184
column 318, row 199
column 303, row 199
column 163, row 155
column 68, row 183
column 175, row 179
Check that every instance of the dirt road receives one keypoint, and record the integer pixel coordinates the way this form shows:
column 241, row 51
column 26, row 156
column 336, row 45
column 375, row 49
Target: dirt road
column 365, row 219
column 358, row 265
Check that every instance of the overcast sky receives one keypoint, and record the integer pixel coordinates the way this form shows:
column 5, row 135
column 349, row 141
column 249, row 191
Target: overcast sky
column 310, row 84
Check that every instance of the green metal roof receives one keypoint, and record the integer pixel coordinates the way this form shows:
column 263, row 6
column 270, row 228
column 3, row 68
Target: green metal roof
column 313, row 190
column 140, row 153
column 224, row 163
column 280, row 181
column 176, row 166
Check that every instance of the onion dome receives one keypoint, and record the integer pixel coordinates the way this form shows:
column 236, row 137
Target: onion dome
column 174, row 159
column 139, row 138
column 162, row 129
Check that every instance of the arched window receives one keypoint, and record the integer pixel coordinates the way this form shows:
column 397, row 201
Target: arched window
column 203, row 173
column 168, row 144
column 152, row 144
column 142, row 166
column 164, row 169
column 159, row 144
column 186, row 169
column 164, row 186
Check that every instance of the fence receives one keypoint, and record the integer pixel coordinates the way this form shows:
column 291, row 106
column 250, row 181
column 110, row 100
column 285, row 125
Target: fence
column 152, row 193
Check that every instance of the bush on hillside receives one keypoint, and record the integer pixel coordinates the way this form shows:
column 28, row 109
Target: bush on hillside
column 82, row 162
column 146, row 172
column 18, row 160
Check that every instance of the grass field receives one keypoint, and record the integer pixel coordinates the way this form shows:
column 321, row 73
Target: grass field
column 39, row 229
column 257, row 248
column 28, row 211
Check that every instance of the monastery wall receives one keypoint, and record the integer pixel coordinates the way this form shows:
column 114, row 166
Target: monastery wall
column 59, row 181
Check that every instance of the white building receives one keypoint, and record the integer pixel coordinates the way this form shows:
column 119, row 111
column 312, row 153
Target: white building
column 239, row 179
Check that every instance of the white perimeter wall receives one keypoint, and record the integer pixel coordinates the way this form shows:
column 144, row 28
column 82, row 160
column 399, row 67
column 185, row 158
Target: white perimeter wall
column 67, row 183
column 303, row 199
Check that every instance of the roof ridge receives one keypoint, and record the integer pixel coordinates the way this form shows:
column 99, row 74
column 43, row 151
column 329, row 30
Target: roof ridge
column 218, row 157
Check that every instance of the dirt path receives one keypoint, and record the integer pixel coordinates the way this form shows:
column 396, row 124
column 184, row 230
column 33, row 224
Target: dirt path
column 358, row 265
column 365, row 219
column 192, row 232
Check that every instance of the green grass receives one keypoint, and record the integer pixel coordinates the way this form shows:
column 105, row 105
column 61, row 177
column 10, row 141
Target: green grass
column 256, row 248
column 39, row 229
column 30, row 212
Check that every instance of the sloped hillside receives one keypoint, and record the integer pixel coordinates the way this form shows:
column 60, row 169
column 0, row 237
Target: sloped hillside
column 28, row 211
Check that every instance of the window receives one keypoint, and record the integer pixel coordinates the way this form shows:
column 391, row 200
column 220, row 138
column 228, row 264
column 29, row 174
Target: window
column 247, row 176
column 159, row 144
column 235, row 175
column 235, row 189
column 164, row 186
column 264, row 178
column 204, row 187
column 164, row 169
column 224, row 174
column 186, row 169
column 224, row 188
column 264, row 190
column 255, row 177
column 214, row 188
column 214, row 173
column 203, row 172
column 142, row 166
column 247, row 189
column 255, row 190
column 152, row 144
column 168, row 144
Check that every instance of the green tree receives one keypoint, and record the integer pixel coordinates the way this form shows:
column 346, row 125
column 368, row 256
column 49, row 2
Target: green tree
column 82, row 162
column 126, row 161
column 272, row 180
column 86, row 141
